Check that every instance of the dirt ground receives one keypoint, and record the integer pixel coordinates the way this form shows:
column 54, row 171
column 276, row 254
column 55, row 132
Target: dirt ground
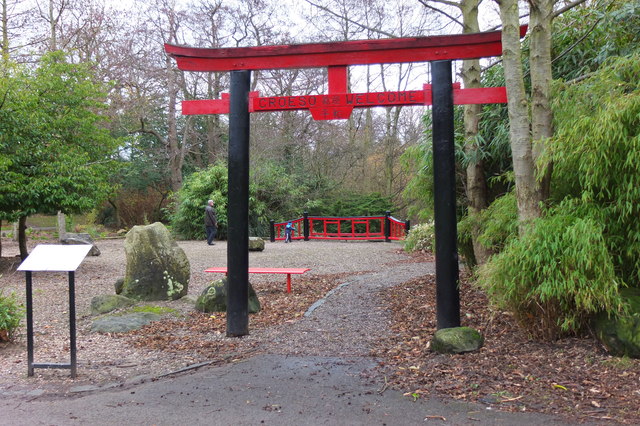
column 574, row 378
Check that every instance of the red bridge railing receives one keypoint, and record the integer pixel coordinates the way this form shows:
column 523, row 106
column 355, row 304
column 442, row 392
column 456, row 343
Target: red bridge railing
column 307, row 228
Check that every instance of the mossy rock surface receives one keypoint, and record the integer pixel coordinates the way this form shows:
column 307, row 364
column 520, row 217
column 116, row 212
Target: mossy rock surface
column 123, row 323
column 621, row 334
column 214, row 298
column 109, row 302
column 456, row 340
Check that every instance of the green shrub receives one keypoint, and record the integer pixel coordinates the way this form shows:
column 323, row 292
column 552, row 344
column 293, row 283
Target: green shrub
column 596, row 155
column 421, row 238
column 10, row 316
column 465, row 242
column 498, row 223
column 555, row 277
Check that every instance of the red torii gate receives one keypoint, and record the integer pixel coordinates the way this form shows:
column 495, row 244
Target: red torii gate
column 338, row 103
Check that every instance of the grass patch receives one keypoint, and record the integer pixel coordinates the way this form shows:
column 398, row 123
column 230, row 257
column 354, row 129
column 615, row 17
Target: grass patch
column 160, row 310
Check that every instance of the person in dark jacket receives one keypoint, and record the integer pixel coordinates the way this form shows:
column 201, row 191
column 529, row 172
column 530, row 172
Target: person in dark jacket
column 210, row 222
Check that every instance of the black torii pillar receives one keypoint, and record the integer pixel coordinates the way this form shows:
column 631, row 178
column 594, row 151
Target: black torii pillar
column 238, row 206
column 447, row 278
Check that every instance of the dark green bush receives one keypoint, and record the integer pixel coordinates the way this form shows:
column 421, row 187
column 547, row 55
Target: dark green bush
column 187, row 218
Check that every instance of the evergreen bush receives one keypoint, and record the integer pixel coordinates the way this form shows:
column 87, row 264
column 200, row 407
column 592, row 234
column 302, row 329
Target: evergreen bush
column 187, row 216
column 421, row 238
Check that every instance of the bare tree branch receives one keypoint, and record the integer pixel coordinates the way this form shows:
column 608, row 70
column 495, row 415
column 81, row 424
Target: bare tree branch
column 570, row 48
column 365, row 27
column 567, row 7
column 428, row 6
column 152, row 132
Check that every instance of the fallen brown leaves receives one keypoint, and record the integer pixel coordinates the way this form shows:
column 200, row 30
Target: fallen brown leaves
column 571, row 377
column 204, row 333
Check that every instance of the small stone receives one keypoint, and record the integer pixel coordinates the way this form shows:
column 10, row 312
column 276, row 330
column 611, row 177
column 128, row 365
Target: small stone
column 256, row 244
column 79, row 239
column 456, row 340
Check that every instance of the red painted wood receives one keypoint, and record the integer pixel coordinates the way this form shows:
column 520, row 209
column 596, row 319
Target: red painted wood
column 259, row 270
column 360, row 52
column 287, row 271
column 338, row 79
column 209, row 106
column 482, row 95
column 340, row 106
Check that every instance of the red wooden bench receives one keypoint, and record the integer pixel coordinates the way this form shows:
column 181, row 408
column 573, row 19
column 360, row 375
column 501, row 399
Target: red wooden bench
column 288, row 271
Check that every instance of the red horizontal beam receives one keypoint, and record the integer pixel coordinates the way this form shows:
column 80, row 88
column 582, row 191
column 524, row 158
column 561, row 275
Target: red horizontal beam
column 359, row 52
column 340, row 106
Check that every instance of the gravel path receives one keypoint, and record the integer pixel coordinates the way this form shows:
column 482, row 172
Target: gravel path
column 350, row 319
column 347, row 322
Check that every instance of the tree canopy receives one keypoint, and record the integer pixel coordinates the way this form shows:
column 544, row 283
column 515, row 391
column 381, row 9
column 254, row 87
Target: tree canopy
column 55, row 152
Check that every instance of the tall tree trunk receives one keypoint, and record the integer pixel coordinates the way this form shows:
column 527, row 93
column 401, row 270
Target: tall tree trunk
column 476, row 184
column 53, row 42
column 528, row 193
column 540, row 64
column 22, row 237
column 5, row 32
column 116, row 213
column 214, row 131
column 173, row 149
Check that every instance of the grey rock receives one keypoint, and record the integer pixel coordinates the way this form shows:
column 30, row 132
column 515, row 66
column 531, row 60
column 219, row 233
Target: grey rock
column 109, row 302
column 214, row 298
column 620, row 334
column 456, row 340
column 79, row 239
column 256, row 244
column 157, row 268
column 123, row 323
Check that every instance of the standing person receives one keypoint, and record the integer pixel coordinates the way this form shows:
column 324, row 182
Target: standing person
column 210, row 222
column 288, row 230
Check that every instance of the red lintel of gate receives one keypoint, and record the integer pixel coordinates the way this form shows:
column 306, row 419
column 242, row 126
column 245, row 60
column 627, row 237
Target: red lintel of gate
column 324, row 106
column 344, row 53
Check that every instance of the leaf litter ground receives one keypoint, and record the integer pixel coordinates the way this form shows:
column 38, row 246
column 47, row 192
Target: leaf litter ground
column 572, row 377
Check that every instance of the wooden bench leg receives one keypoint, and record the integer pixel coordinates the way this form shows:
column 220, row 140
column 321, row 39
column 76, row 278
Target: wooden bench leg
column 288, row 283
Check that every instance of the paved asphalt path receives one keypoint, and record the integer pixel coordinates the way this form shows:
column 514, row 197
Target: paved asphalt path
column 265, row 389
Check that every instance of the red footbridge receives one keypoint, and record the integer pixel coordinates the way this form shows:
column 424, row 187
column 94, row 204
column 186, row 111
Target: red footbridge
column 307, row 227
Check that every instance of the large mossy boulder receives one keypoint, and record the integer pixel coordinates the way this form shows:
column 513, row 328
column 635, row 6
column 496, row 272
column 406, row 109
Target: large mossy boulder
column 157, row 269
column 456, row 340
column 214, row 298
column 621, row 334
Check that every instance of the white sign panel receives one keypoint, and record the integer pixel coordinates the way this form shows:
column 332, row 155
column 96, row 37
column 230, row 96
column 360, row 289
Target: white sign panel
column 54, row 257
